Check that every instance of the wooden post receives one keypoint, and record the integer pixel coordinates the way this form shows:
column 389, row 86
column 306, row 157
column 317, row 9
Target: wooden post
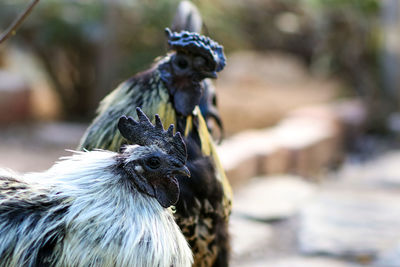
column 390, row 58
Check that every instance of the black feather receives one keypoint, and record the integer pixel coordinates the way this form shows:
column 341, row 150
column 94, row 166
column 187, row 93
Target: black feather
column 144, row 133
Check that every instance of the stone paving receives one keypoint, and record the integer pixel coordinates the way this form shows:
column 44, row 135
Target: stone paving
column 351, row 218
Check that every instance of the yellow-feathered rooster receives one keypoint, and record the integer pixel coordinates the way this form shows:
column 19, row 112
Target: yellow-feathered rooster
column 172, row 89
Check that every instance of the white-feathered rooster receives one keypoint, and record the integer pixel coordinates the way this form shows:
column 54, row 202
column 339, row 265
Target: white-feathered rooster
column 99, row 208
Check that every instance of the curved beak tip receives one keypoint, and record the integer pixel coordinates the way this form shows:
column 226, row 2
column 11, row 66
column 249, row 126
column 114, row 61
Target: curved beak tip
column 213, row 75
column 187, row 172
column 184, row 171
column 210, row 74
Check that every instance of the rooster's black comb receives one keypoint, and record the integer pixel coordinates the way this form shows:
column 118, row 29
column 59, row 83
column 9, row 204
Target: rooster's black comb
column 144, row 133
column 200, row 44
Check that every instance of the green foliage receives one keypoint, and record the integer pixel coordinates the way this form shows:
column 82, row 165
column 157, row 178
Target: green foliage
column 362, row 6
column 88, row 47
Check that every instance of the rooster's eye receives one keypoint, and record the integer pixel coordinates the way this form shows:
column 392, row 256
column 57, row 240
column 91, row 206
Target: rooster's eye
column 182, row 62
column 153, row 162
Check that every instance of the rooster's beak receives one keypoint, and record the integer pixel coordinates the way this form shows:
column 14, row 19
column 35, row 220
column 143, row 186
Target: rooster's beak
column 184, row 171
column 211, row 74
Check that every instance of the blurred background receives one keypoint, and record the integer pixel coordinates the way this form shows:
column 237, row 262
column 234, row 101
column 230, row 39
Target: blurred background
column 309, row 99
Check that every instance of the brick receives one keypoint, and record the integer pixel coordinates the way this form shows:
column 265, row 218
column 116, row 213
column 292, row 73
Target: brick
column 272, row 157
column 306, row 142
column 239, row 158
column 242, row 171
column 275, row 161
column 312, row 143
column 14, row 98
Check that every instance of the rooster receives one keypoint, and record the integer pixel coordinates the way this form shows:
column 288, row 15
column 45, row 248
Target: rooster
column 99, row 208
column 172, row 88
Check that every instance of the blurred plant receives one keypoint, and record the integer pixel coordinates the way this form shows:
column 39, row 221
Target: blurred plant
column 347, row 38
column 339, row 38
column 266, row 25
column 359, row 6
column 86, row 47
column 63, row 37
